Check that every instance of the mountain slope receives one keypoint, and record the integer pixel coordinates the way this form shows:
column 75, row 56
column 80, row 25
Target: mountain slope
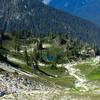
column 67, row 5
column 88, row 9
column 31, row 14
column 90, row 12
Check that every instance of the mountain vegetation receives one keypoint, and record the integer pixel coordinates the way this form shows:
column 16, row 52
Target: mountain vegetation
column 90, row 12
column 62, row 49
column 88, row 9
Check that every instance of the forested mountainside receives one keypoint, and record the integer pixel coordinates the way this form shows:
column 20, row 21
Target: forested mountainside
column 90, row 12
column 31, row 14
column 67, row 5
column 88, row 9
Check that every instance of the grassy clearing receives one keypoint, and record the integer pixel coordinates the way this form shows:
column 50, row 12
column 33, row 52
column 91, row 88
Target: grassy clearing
column 94, row 76
column 91, row 72
column 84, row 68
column 63, row 79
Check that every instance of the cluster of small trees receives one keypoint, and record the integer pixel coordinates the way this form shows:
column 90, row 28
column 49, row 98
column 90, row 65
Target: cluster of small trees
column 72, row 52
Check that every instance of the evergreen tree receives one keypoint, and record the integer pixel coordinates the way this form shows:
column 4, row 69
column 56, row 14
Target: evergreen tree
column 32, row 34
column 1, row 38
column 13, row 33
column 54, row 64
column 39, row 43
column 26, row 56
column 35, row 58
column 16, row 35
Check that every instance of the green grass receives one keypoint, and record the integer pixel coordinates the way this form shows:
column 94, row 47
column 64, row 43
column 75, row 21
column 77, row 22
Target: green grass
column 91, row 72
column 94, row 76
column 63, row 78
column 23, row 67
column 19, row 56
column 66, row 82
column 84, row 68
column 58, row 71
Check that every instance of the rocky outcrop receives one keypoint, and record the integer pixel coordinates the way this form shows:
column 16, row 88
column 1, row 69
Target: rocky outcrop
column 12, row 81
column 11, row 84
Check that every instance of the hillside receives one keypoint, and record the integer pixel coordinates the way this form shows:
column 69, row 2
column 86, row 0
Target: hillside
column 31, row 14
column 49, row 68
column 88, row 9
column 67, row 5
column 90, row 12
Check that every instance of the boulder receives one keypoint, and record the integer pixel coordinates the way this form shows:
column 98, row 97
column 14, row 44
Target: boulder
column 2, row 94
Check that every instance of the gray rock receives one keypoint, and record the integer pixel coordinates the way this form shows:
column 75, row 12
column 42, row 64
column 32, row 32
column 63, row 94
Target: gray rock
column 2, row 94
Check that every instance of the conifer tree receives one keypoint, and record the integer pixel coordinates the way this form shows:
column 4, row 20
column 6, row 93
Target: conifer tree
column 1, row 38
column 26, row 56
column 35, row 58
